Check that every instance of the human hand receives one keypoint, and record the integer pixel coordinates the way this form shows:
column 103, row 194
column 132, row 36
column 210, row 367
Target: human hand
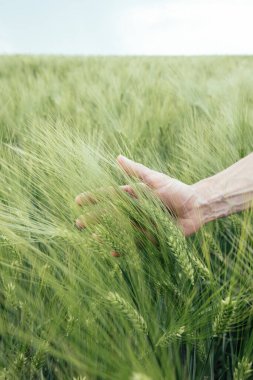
column 180, row 199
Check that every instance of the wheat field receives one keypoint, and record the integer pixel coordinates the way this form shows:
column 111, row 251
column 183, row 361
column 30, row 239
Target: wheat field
column 168, row 307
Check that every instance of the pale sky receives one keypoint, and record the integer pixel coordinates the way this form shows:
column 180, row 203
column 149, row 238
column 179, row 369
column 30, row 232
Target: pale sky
column 126, row 27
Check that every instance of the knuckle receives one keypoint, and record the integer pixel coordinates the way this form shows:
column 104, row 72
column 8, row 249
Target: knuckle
column 78, row 199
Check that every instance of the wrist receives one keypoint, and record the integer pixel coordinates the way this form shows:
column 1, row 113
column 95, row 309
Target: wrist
column 211, row 201
column 225, row 193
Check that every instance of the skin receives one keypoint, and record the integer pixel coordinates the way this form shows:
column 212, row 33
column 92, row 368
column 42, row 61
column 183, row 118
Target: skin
column 225, row 193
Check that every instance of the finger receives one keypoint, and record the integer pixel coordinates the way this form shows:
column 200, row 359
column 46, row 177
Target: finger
column 145, row 233
column 135, row 169
column 115, row 254
column 133, row 190
column 88, row 197
column 129, row 190
column 84, row 221
column 85, row 198
column 99, row 240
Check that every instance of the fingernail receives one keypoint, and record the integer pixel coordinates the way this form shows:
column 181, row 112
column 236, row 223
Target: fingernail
column 79, row 224
column 121, row 157
column 115, row 254
column 78, row 200
column 84, row 198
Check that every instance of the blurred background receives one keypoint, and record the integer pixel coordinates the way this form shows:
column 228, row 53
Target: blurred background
column 129, row 27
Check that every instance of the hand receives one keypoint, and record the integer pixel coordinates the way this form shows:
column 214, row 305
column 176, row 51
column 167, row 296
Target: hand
column 181, row 199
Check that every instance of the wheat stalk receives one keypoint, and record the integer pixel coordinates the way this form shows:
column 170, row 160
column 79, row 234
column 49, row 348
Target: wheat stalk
column 177, row 244
column 171, row 336
column 139, row 376
column 127, row 311
column 244, row 369
column 225, row 317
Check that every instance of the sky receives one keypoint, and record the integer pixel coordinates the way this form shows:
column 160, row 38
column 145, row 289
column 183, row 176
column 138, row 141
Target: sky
column 126, row 27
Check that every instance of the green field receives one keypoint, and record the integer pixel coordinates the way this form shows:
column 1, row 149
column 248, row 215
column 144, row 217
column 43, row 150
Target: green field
column 168, row 308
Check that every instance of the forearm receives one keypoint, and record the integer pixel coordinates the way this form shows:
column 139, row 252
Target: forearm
column 227, row 192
